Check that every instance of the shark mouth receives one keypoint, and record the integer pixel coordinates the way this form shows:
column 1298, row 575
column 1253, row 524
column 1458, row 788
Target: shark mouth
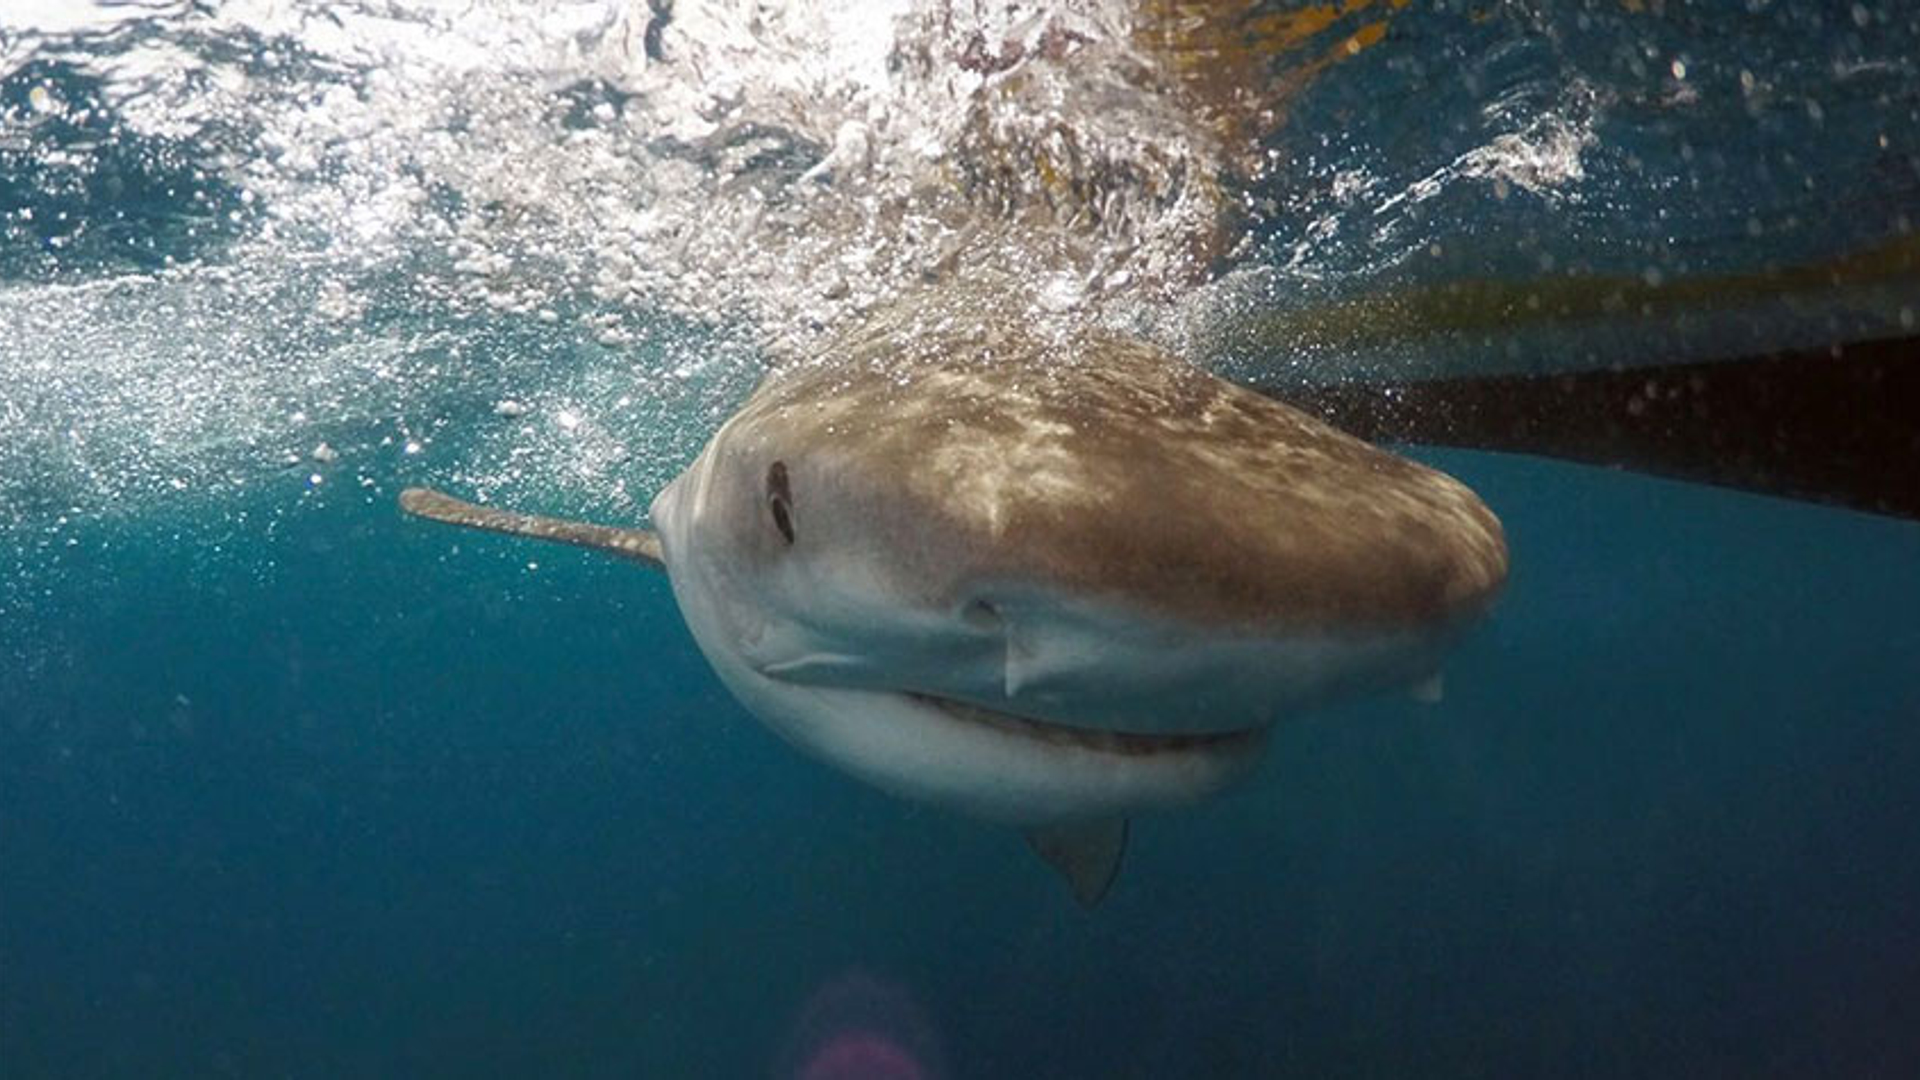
column 1124, row 743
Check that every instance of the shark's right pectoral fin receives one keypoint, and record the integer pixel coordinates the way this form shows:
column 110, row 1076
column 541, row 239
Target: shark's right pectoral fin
column 639, row 545
column 1087, row 854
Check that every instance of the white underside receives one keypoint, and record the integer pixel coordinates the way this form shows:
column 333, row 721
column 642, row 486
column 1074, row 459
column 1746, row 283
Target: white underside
column 921, row 751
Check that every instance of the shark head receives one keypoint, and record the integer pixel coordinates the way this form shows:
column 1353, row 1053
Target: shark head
column 1044, row 585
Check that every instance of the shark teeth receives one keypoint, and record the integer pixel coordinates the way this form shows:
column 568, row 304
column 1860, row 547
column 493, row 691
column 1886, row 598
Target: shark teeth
column 1131, row 744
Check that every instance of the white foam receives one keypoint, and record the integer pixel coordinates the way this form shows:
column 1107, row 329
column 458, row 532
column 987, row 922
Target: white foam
column 467, row 202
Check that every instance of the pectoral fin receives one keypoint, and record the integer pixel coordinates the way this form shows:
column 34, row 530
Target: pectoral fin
column 639, row 545
column 1430, row 690
column 1087, row 854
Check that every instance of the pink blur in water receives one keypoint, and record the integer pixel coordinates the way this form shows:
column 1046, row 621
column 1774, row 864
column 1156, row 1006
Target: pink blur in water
column 857, row 1027
column 859, row 1055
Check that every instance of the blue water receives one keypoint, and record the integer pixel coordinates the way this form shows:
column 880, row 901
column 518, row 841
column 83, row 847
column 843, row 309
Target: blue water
column 292, row 787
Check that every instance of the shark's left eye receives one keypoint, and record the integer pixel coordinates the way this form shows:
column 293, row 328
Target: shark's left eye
column 780, row 499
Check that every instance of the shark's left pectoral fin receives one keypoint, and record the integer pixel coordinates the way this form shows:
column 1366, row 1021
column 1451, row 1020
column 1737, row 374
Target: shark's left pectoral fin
column 1086, row 853
column 1431, row 690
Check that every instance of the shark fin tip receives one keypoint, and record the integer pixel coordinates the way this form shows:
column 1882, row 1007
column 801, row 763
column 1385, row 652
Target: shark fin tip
column 1087, row 854
column 1430, row 690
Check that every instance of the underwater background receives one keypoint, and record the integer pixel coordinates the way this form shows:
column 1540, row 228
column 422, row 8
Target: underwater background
column 292, row 787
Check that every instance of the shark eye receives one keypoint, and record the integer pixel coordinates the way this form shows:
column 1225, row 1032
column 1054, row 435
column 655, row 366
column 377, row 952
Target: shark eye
column 780, row 499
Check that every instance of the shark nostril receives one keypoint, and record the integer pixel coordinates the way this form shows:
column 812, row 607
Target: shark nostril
column 981, row 615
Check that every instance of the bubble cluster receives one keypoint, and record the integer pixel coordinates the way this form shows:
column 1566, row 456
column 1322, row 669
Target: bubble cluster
column 540, row 248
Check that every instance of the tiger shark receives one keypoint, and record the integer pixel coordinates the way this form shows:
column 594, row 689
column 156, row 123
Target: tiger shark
column 1051, row 575
column 1045, row 581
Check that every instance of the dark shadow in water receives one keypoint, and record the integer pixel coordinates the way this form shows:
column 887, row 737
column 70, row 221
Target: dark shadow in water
column 1833, row 425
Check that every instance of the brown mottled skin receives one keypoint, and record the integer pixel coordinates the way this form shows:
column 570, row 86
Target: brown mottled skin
column 1104, row 466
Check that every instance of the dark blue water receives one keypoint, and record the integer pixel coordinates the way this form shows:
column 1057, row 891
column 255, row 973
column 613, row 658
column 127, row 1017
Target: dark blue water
column 290, row 786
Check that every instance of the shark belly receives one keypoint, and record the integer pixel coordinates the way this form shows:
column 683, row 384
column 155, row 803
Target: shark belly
column 998, row 768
